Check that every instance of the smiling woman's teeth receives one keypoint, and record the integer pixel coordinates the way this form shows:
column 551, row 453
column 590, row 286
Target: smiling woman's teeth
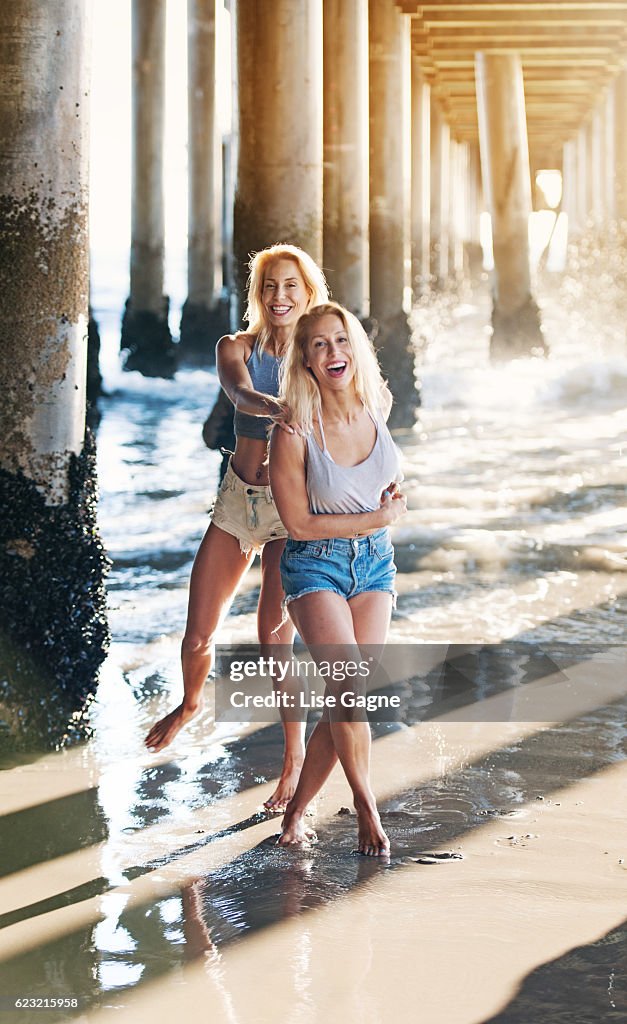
column 280, row 310
column 336, row 369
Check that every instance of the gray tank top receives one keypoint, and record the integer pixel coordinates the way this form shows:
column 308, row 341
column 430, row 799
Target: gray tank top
column 264, row 374
column 332, row 488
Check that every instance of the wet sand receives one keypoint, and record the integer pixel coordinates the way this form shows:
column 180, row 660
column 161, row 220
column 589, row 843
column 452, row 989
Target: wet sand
column 528, row 820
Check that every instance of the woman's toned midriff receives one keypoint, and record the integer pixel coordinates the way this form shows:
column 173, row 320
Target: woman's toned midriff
column 250, row 461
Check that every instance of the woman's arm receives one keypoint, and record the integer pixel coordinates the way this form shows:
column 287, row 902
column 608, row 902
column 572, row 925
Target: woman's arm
column 231, row 355
column 289, row 490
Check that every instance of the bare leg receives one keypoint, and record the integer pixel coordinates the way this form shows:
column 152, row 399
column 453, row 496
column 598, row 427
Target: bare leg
column 371, row 614
column 269, row 616
column 326, row 618
column 320, row 759
column 218, row 569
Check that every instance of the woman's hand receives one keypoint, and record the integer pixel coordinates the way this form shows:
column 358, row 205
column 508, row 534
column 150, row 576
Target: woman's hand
column 164, row 731
column 282, row 417
column 393, row 504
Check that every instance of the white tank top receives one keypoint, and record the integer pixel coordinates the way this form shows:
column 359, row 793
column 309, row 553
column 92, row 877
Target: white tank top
column 332, row 488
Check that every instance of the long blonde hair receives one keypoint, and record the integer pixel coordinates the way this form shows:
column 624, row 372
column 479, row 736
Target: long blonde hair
column 311, row 273
column 298, row 385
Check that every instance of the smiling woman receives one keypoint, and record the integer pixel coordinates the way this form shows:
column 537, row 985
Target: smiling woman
column 284, row 282
column 282, row 292
column 338, row 486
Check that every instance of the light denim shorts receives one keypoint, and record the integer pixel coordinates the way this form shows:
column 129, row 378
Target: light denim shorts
column 345, row 567
column 247, row 512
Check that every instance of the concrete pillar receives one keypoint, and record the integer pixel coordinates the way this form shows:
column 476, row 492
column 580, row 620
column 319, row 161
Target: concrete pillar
column 472, row 242
column 204, row 316
column 420, row 179
column 465, row 200
column 53, row 631
column 505, row 164
column 453, row 195
column 583, row 172
column 94, row 377
column 278, row 194
column 608, row 164
column 595, row 156
column 389, row 239
column 228, row 191
column 229, row 169
column 590, row 180
column 457, row 206
column 620, row 146
column 569, row 188
column 145, row 331
column 440, row 197
column 346, row 152
column 537, row 195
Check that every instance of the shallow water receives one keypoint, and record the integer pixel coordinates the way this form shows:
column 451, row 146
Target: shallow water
column 516, row 532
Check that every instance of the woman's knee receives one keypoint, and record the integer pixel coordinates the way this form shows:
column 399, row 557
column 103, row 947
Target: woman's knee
column 198, row 642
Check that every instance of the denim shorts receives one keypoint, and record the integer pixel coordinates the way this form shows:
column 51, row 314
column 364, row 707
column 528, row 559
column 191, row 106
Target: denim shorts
column 247, row 512
column 345, row 567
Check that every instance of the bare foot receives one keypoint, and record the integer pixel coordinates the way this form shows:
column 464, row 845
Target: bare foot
column 371, row 839
column 295, row 832
column 164, row 731
column 287, row 784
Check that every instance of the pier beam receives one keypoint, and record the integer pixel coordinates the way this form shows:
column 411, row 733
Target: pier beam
column 389, row 66
column 278, row 191
column 53, row 632
column 205, row 316
column 439, row 208
column 505, row 162
column 145, row 330
column 345, row 235
column 420, row 179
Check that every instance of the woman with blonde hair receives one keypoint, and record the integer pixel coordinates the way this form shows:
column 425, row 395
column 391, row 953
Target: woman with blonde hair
column 335, row 483
column 284, row 282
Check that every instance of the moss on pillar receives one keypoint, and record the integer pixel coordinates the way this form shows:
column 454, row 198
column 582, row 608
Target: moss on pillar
column 53, row 627
column 94, row 376
column 518, row 334
column 201, row 327
column 147, row 337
